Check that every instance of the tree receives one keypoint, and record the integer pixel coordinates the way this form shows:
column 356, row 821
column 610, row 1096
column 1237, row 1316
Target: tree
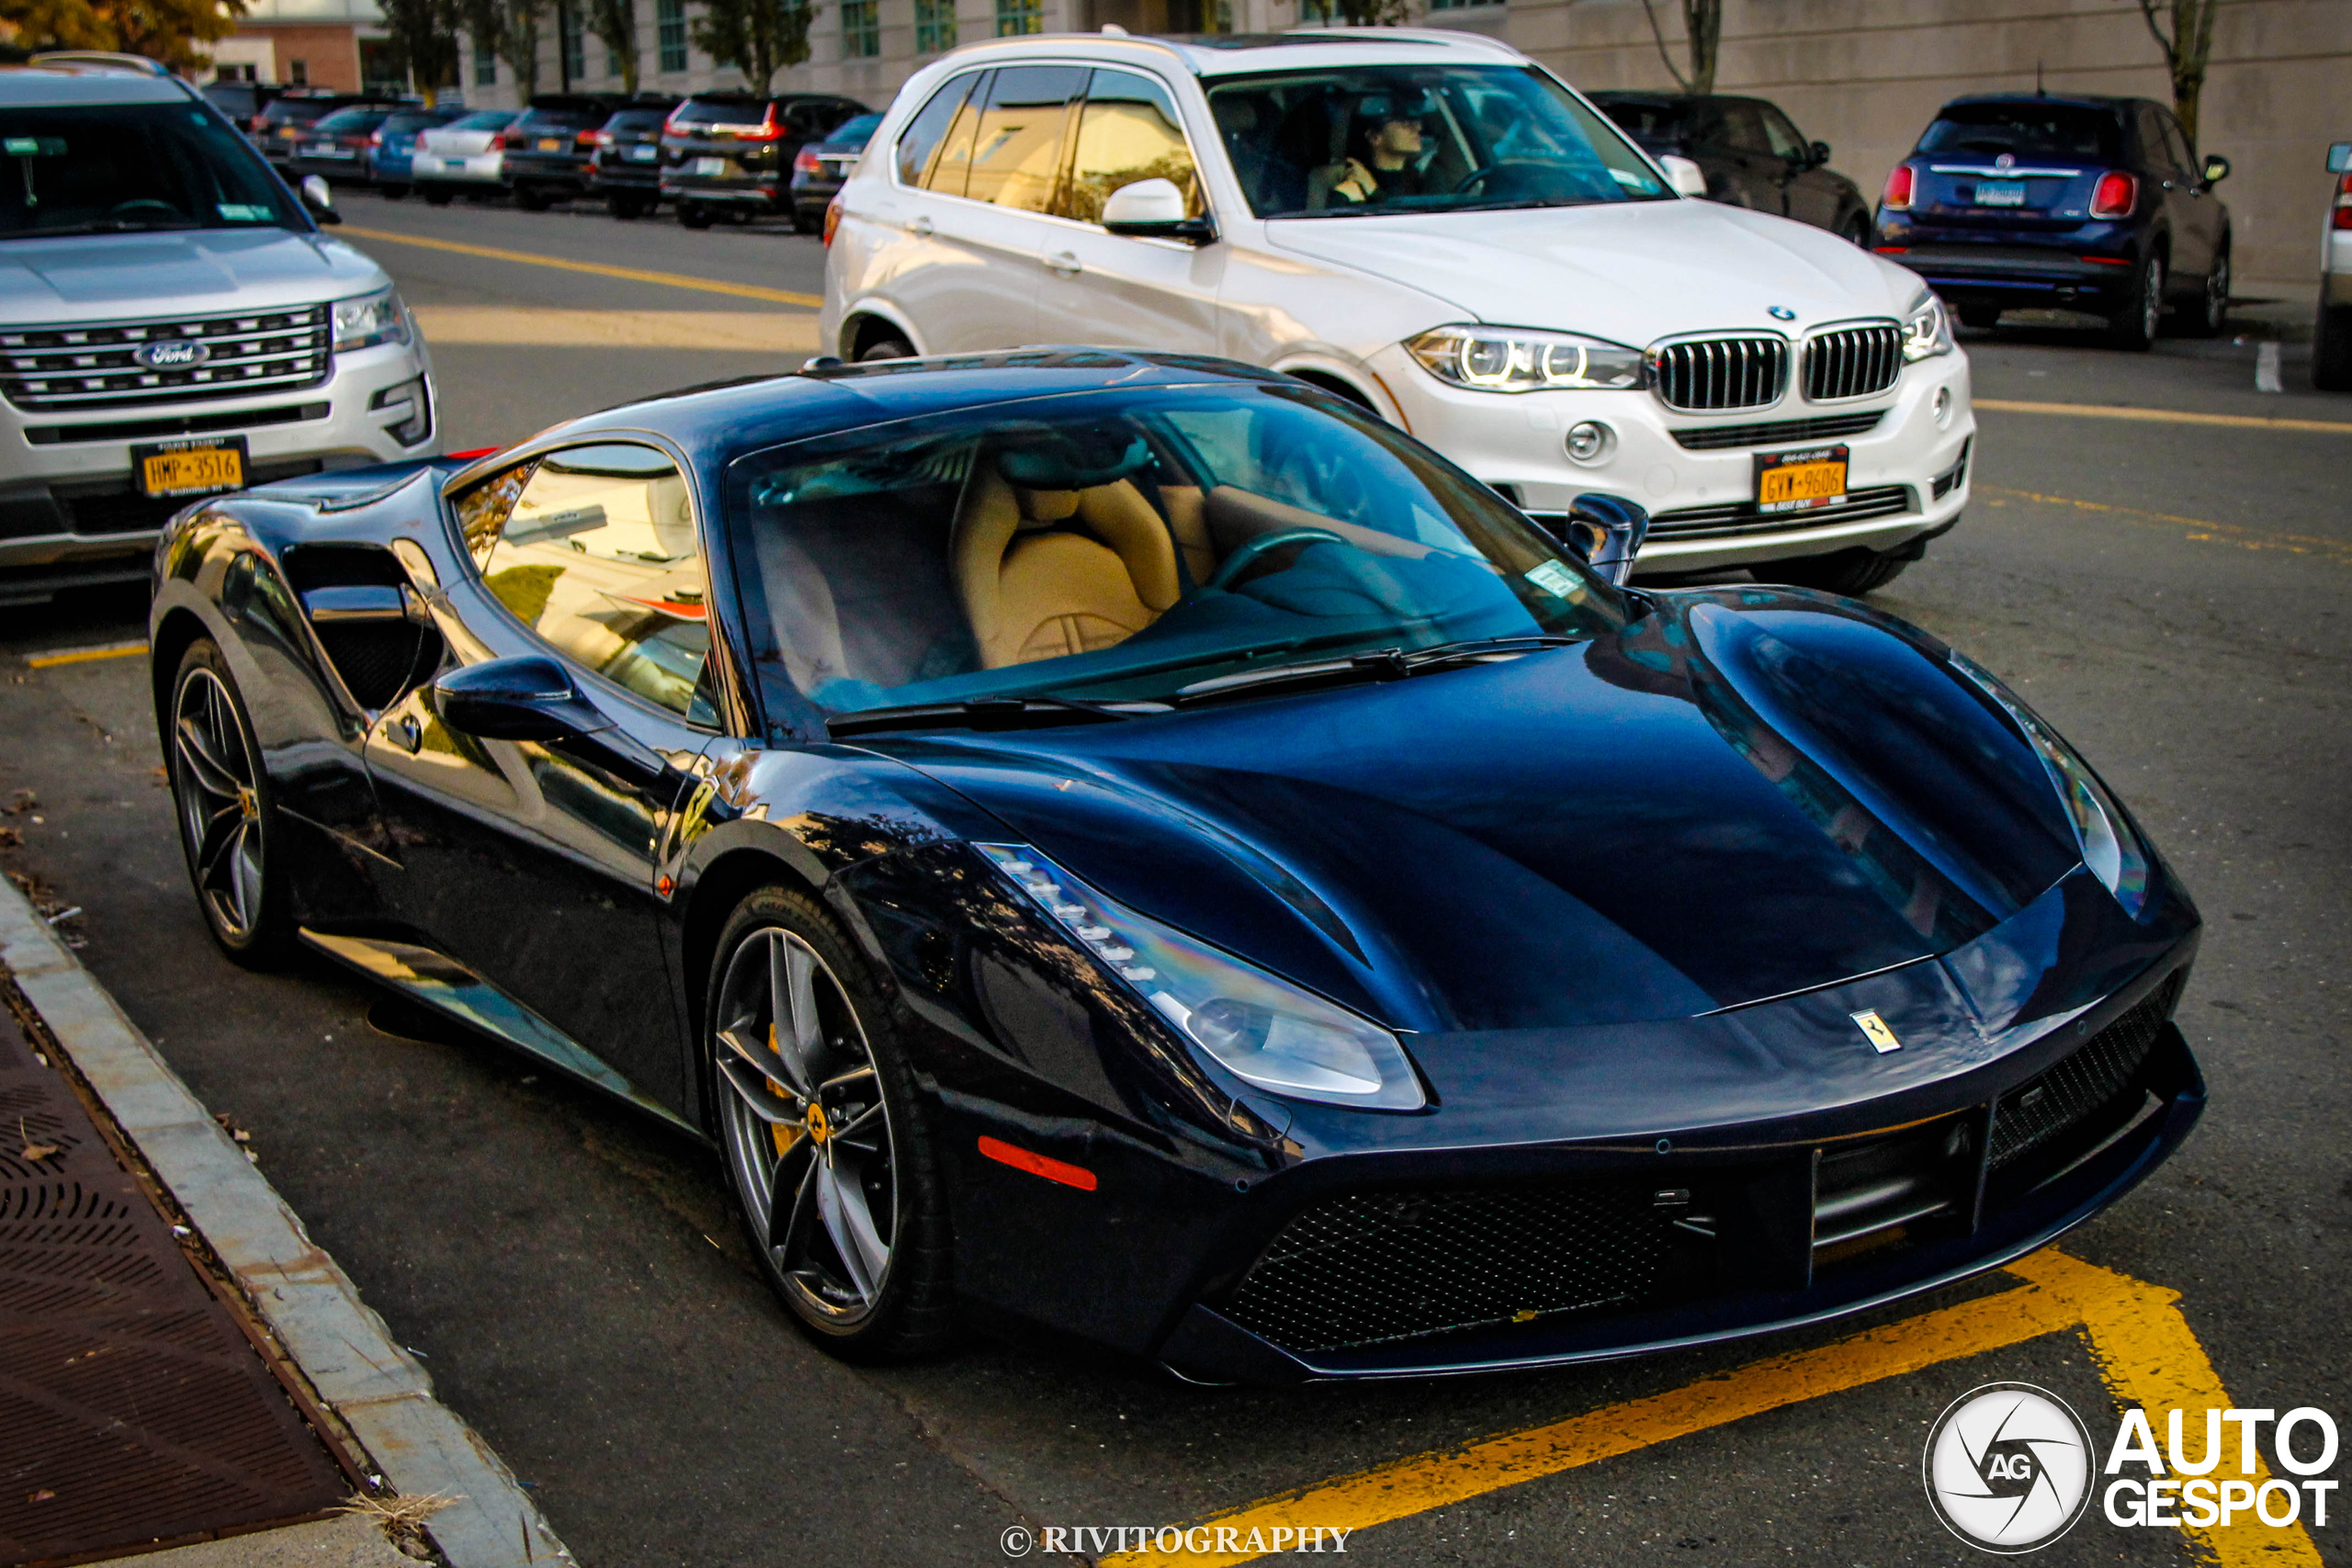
column 424, row 41
column 758, row 37
column 2187, row 51
column 614, row 23
column 1702, row 29
column 511, row 28
column 167, row 30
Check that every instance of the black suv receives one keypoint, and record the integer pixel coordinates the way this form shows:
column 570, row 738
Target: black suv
column 626, row 169
column 732, row 153
column 2071, row 202
column 550, row 145
column 286, row 119
column 1752, row 155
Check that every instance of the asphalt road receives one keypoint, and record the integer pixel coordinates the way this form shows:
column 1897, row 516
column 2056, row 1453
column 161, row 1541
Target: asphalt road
column 2172, row 594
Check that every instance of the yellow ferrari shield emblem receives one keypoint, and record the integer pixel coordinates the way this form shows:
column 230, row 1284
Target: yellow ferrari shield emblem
column 1875, row 1031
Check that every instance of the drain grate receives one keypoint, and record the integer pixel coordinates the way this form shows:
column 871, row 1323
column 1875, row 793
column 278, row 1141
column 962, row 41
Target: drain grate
column 132, row 1408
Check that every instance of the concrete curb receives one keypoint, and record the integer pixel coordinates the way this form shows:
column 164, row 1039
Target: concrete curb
column 342, row 1347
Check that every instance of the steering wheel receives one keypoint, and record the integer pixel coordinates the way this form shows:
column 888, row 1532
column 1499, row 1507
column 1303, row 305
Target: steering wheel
column 139, row 203
column 1239, row 560
column 1473, row 176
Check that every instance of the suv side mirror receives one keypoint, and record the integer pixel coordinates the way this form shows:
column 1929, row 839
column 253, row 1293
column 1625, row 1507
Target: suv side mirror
column 526, row 697
column 1606, row 532
column 1821, row 155
column 1686, row 176
column 320, row 200
column 1154, row 209
column 2217, row 168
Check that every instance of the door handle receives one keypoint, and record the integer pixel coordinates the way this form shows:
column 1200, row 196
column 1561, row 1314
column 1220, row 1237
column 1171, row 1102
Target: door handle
column 1064, row 263
column 920, row 228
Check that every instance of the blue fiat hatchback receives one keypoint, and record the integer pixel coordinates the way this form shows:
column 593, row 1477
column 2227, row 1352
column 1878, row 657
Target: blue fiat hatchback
column 2026, row 200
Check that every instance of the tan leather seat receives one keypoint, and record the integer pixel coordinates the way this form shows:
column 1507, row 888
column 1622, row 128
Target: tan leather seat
column 1034, row 590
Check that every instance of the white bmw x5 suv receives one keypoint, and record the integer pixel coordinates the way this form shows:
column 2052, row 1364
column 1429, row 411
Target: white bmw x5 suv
column 1431, row 224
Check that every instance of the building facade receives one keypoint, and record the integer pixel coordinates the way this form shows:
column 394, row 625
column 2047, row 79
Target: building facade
column 316, row 43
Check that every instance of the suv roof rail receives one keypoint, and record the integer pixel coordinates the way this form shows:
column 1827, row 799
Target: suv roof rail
column 102, row 60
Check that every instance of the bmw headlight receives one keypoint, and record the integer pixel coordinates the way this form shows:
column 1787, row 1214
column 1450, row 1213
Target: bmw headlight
column 1926, row 332
column 2111, row 851
column 369, row 319
column 1517, row 359
column 1262, row 1030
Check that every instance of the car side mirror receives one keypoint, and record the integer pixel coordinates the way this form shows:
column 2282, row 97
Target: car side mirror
column 1606, row 533
column 1686, row 176
column 2339, row 158
column 1821, row 155
column 320, row 200
column 1154, row 209
column 2217, row 168
column 526, row 697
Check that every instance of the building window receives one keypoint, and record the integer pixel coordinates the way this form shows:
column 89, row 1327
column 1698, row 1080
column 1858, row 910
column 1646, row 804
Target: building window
column 485, row 62
column 861, row 29
column 1017, row 16
column 575, row 45
column 934, row 25
column 297, row 73
column 669, row 18
column 1453, row 4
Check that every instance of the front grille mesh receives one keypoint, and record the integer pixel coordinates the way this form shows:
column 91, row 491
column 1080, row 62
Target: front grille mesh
column 97, row 367
column 1742, row 517
column 2081, row 1085
column 1368, row 1267
column 1777, row 432
column 1721, row 373
column 1852, row 362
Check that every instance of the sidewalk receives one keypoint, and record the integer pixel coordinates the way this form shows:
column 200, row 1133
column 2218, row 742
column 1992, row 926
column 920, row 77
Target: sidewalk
column 180, row 1366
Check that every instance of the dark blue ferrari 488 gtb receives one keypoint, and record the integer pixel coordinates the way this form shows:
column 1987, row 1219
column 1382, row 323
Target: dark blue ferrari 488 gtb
column 1134, row 845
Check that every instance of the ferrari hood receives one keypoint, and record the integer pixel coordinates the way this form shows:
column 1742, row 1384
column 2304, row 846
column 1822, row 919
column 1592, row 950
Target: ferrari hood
column 102, row 277
column 1630, row 272
column 1743, row 796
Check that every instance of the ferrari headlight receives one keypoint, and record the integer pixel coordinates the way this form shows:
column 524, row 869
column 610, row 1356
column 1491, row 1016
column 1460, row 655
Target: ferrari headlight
column 1515, row 359
column 2111, row 851
column 369, row 319
column 1926, row 332
column 1262, row 1030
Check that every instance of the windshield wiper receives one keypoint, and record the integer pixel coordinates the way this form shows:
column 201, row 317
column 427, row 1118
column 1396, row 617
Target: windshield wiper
column 1379, row 664
column 987, row 713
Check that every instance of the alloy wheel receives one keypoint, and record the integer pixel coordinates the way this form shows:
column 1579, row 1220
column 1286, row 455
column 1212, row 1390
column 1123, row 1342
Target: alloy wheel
column 2217, row 293
column 220, row 803
column 807, row 1129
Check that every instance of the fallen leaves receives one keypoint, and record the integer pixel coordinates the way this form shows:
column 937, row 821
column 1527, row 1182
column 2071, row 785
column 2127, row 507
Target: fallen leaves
column 30, row 1149
column 24, row 800
column 401, row 1518
column 43, row 1496
column 10, row 837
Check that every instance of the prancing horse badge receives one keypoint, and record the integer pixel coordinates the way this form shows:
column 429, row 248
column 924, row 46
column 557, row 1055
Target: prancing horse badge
column 1875, row 1031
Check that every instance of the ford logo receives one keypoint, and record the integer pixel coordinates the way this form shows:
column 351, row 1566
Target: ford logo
column 173, row 355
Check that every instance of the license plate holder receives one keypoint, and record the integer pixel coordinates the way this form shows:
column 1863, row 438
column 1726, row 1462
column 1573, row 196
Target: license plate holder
column 2000, row 193
column 711, row 169
column 200, row 465
column 642, row 154
column 551, row 144
column 1802, row 480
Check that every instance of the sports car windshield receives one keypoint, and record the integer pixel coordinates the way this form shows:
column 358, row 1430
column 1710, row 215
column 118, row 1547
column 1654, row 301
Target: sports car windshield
column 128, row 166
column 1124, row 545
column 1357, row 140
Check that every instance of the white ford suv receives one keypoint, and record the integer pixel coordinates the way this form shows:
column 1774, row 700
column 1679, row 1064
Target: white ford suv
column 1431, row 224
column 171, row 324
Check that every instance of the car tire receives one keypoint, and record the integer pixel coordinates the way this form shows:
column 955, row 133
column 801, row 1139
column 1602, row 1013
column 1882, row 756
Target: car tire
column 392, row 193
column 1856, row 232
column 825, row 1137
column 626, row 208
column 227, row 813
column 1984, row 318
column 2133, row 328
column 806, row 222
column 2332, row 349
column 885, row 348
column 2211, row 312
column 1848, row 572
column 530, row 199
column 694, row 215
column 436, row 197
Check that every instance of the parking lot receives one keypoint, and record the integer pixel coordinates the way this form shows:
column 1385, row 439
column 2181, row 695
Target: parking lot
column 2157, row 558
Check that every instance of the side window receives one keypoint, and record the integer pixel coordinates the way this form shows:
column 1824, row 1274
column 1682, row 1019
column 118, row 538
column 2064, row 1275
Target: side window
column 1017, row 146
column 596, row 552
column 1786, row 142
column 2153, row 143
column 1742, row 130
column 951, row 170
column 919, row 144
column 1127, row 132
column 2177, row 144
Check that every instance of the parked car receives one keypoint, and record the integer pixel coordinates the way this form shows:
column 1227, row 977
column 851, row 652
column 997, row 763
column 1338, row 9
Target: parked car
column 286, row 119
column 626, row 166
column 1155, row 852
column 2332, row 341
column 242, row 102
column 391, row 149
column 819, row 168
column 180, row 327
column 731, row 152
column 1433, row 225
column 2064, row 201
column 337, row 147
column 550, row 145
column 467, row 156
column 1752, row 155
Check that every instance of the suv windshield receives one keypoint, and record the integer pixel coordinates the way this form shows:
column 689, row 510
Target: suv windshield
column 1125, row 545
column 855, row 132
column 1421, row 137
column 102, row 170
column 721, row 111
column 298, row 111
column 2027, row 131
column 350, row 122
column 483, row 120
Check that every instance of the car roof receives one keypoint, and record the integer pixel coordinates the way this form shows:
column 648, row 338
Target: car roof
column 1242, row 54
column 30, row 87
column 2070, row 101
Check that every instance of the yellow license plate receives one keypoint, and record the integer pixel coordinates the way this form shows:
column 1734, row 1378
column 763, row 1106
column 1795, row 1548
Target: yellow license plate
column 203, row 471
column 1798, row 481
column 551, row 144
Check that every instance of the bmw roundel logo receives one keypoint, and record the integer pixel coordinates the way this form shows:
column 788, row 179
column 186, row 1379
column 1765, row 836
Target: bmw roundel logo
column 171, row 355
column 2009, row 1468
column 1781, row 313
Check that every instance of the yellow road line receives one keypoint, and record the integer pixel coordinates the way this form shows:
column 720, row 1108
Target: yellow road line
column 2168, row 416
column 2143, row 1347
column 2199, row 528
column 772, row 332
column 633, row 275
column 83, row 655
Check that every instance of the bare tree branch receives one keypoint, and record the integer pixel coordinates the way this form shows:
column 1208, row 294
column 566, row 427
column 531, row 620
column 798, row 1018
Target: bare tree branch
column 1658, row 33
